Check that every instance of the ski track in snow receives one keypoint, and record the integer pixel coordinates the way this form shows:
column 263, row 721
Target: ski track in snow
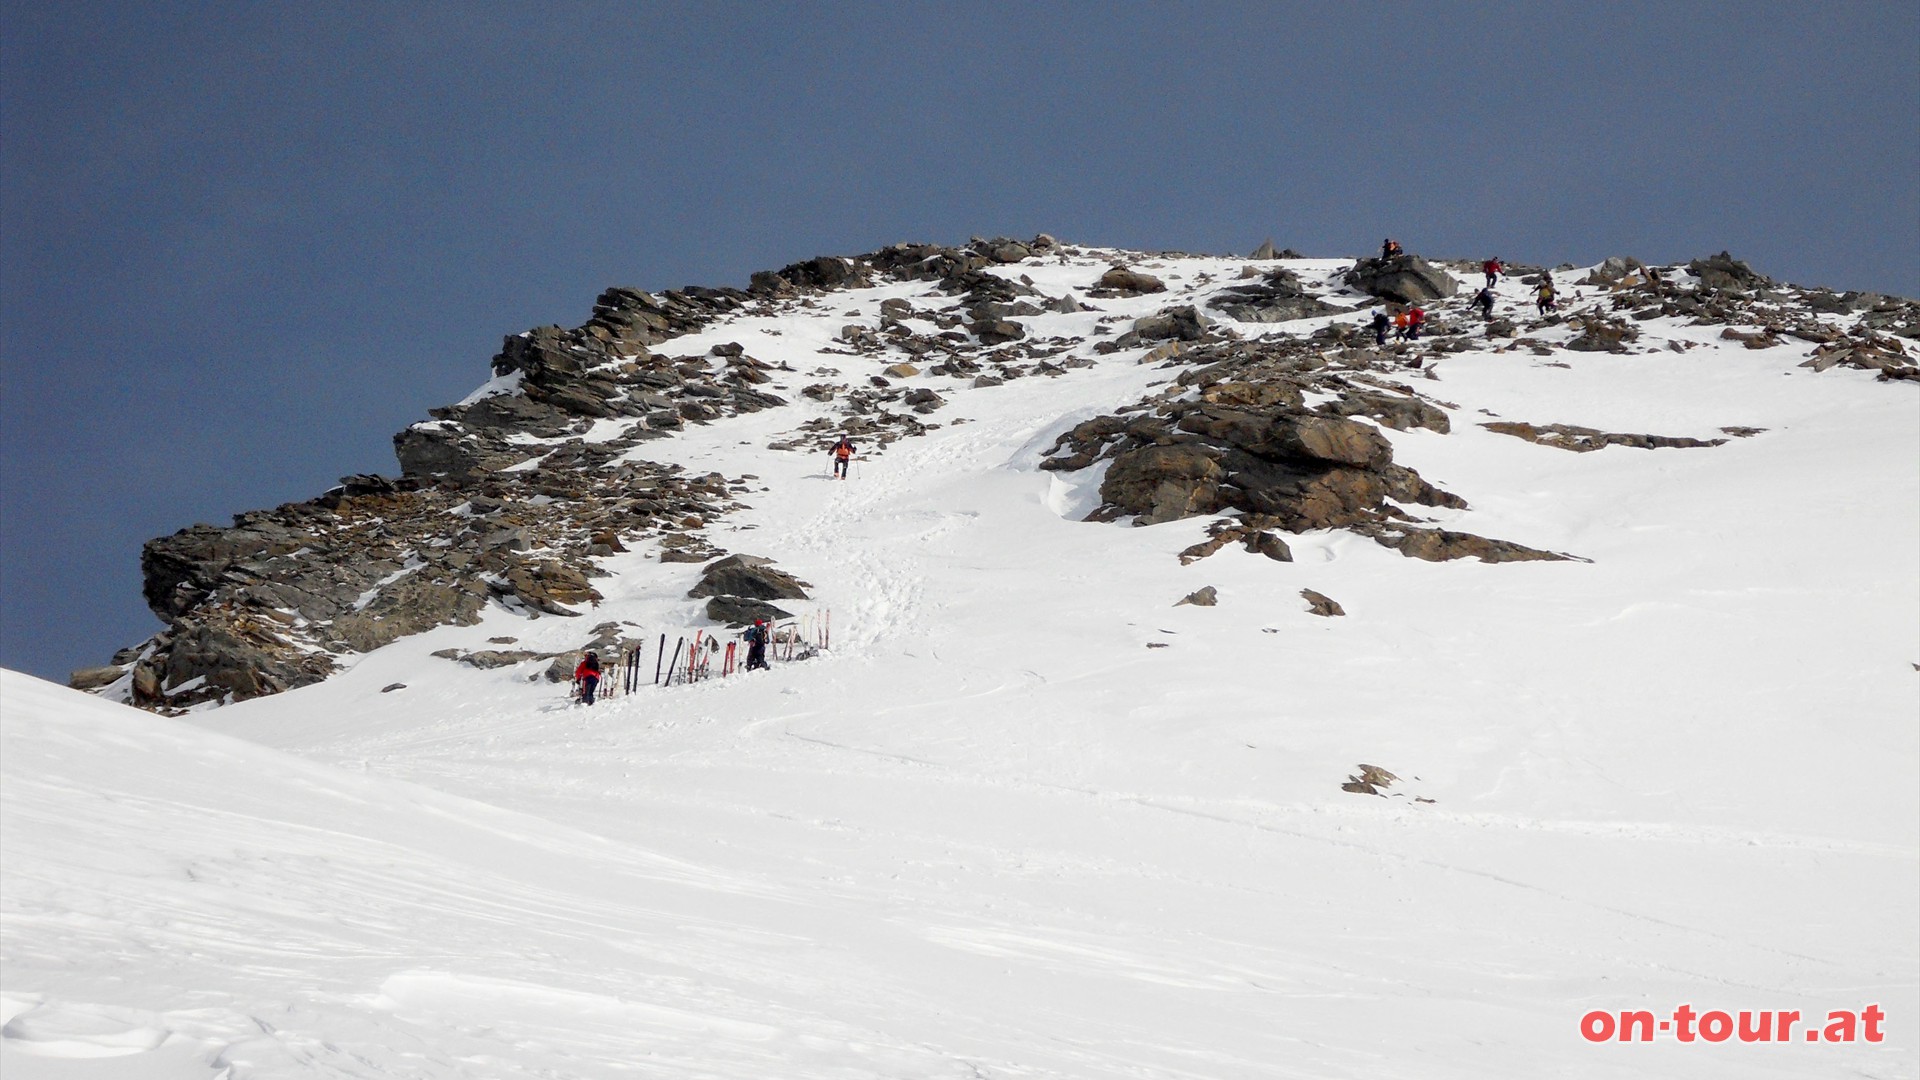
column 990, row 834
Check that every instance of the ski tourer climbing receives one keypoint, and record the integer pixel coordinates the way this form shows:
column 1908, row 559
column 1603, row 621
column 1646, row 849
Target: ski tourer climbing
column 1492, row 269
column 1543, row 298
column 1484, row 301
column 1380, row 324
column 1400, row 326
column 587, row 676
column 1415, row 320
column 842, row 452
column 756, row 636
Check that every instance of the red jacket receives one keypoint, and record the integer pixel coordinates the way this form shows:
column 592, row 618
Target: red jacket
column 583, row 671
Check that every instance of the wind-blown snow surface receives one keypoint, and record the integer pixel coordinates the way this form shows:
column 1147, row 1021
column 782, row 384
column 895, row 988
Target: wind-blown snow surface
column 993, row 835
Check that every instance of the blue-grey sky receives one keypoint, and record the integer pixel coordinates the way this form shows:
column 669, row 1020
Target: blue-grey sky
column 243, row 244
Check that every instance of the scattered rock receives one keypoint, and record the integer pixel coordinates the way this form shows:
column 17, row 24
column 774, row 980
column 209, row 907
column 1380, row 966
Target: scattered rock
column 1206, row 597
column 1278, row 297
column 1321, row 604
column 1582, row 440
column 1369, row 780
column 1599, row 334
column 1443, row 545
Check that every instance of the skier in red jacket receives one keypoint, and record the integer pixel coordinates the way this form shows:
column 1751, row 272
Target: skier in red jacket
column 1492, row 269
column 587, row 676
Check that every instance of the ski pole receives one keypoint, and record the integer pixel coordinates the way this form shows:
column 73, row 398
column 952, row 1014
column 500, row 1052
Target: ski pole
column 658, row 657
column 676, row 659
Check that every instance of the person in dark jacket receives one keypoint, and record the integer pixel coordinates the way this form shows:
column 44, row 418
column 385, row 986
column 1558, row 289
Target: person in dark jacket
column 842, row 452
column 1380, row 324
column 1484, row 301
column 1389, row 249
column 587, row 676
column 756, row 636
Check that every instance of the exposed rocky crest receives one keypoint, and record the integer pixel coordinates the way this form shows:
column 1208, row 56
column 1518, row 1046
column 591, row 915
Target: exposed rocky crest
column 510, row 500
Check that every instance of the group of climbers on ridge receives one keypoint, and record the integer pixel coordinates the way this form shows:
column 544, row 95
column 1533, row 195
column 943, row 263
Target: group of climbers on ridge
column 1406, row 320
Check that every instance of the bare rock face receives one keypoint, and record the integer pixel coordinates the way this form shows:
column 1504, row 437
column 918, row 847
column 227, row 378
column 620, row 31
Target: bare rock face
column 1165, row 483
column 1303, row 469
column 1405, row 279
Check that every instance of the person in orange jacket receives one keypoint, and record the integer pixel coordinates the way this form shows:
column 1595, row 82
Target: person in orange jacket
column 842, row 452
column 587, row 676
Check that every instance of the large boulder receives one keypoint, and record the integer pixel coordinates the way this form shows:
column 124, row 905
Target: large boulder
column 1177, row 323
column 998, row 331
column 1405, row 279
column 737, row 611
column 748, row 576
column 1121, row 281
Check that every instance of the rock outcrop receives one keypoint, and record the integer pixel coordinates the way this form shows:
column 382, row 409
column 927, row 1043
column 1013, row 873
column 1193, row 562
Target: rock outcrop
column 1404, row 279
column 1277, row 297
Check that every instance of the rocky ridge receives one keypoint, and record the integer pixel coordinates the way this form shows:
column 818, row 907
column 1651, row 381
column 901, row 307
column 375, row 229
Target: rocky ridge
column 511, row 498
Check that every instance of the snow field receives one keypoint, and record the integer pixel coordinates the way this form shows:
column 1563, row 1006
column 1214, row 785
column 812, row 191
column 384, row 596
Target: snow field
column 992, row 834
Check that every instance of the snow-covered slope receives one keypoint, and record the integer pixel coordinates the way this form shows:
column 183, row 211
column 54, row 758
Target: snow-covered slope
column 993, row 833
